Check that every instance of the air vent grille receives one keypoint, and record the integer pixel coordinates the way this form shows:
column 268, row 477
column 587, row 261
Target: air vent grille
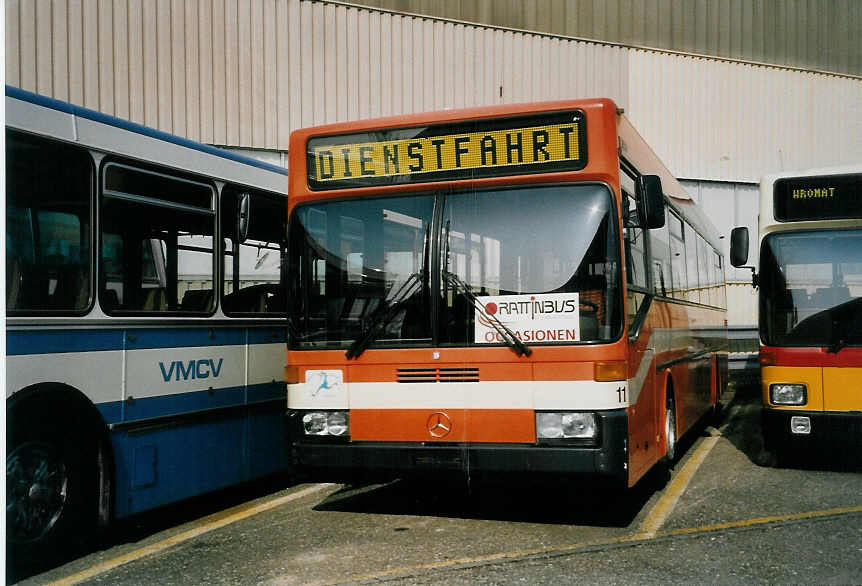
column 438, row 375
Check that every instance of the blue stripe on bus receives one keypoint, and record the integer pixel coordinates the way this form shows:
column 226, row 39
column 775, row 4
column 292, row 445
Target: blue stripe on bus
column 138, row 339
column 54, row 104
column 267, row 336
column 20, row 343
column 187, row 403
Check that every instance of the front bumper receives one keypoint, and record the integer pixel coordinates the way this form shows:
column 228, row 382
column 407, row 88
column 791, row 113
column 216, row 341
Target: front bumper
column 828, row 430
column 342, row 461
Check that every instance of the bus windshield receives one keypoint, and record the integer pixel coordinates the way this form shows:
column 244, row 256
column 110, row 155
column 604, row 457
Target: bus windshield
column 812, row 289
column 542, row 260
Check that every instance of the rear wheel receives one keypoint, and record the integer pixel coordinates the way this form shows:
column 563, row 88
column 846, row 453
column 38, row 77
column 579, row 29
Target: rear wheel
column 670, row 428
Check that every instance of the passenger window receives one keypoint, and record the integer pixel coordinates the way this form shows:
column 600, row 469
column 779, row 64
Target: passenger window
column 660, row 246
column 703, row 262
column 157, row 241
column 635, row 246
column 252, row 267
column 719, row 271
column 691, row 264
column 679, row 276
column 48, row 220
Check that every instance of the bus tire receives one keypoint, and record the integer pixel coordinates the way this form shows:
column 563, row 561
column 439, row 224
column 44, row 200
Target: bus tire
column 670, row 438
column 51, row 490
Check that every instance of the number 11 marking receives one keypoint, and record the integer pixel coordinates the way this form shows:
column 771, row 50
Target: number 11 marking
column 621, row 394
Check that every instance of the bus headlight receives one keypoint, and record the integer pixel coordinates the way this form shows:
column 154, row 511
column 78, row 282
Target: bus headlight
column 566, row 425
column 786, row 394
column 336, row 423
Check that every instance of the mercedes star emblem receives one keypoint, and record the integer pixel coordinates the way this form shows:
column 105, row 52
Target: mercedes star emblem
column 439, row 425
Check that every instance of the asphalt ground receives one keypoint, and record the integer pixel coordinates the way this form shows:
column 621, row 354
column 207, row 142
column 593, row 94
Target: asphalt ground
column 725, row 515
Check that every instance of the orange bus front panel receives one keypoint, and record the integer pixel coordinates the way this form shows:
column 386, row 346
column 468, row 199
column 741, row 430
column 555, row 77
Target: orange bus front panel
column 501, row 426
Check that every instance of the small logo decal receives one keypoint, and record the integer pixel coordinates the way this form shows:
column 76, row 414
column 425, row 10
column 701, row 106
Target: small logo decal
column 324, row 383
column 439, row 425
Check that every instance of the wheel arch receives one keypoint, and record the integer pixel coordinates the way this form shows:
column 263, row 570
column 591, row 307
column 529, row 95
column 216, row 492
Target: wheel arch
column 60, row 402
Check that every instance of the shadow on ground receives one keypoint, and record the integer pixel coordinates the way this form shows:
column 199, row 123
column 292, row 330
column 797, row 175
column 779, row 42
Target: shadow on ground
column 549, row 500
column 553, row 500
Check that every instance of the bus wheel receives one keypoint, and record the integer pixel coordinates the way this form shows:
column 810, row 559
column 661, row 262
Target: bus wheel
column 670, row 427
column 46, row 494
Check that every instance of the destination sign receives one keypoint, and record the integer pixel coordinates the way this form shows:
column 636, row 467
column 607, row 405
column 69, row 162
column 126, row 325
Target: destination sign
column 827, row 197
column 478, row 148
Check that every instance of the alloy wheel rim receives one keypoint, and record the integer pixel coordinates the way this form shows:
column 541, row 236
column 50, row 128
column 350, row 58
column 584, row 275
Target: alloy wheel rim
column 670, row 431
column 36, row 491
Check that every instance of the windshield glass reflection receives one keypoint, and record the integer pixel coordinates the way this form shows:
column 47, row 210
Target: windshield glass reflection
column 543, row 260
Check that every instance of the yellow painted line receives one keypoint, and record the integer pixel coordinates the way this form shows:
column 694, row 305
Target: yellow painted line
column 664, row 507
column 590, row 545
column 764, row 521
column 207, row 524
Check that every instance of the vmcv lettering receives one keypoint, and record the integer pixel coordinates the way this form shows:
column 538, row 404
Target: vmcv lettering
column 192, row 369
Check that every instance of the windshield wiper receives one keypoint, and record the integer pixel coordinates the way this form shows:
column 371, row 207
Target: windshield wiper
column 842, row 342
column 836, row 346
column 513, row 341
column 383, row 317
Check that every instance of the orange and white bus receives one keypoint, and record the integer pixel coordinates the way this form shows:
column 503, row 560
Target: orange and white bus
column 515, row 289
column 810, row 299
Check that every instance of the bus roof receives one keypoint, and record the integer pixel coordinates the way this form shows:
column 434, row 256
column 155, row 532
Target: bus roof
column 637, row 151
column 85, row 113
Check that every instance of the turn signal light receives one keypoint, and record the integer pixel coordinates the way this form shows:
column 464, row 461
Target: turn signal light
column 609, row 371
column 767, row 358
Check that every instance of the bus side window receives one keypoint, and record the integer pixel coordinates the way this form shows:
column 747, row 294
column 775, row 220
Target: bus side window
column 693, row 293
column 48, row 239
column 679, row 274
column 252, row 267
column 634, row 240
column 660, row 249
column 157, row 241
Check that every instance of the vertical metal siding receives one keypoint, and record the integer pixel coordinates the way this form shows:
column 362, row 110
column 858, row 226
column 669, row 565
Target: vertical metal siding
column 729, row 121
column 245, row 73
column 811, row 34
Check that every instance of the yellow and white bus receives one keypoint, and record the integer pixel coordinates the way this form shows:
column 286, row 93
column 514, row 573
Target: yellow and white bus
column 810, row 300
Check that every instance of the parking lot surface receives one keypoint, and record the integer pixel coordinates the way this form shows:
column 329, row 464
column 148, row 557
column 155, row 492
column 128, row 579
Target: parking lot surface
column 724, row 516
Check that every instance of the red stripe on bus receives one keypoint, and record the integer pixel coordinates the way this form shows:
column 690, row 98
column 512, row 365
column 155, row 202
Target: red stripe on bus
column 847, row 357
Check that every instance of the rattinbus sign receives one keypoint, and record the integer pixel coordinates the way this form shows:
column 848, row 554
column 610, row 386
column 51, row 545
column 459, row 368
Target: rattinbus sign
column 479, row 148
column 549, row 317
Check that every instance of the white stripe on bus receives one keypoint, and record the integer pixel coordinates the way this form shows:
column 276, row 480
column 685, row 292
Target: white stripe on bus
column 146, row 370
column 543, row 395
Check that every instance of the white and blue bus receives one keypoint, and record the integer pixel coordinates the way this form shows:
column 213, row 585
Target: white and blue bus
column 145, row 320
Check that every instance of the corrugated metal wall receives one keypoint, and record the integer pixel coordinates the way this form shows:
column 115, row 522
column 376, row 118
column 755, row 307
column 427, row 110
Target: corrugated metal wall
column 730, row 121
column 244, row 73
column 811, row 34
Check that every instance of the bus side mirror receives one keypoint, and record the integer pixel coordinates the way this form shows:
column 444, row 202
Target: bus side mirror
column 242, row 217
column 649, row 190
column 739, row 246
column 739, row 252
